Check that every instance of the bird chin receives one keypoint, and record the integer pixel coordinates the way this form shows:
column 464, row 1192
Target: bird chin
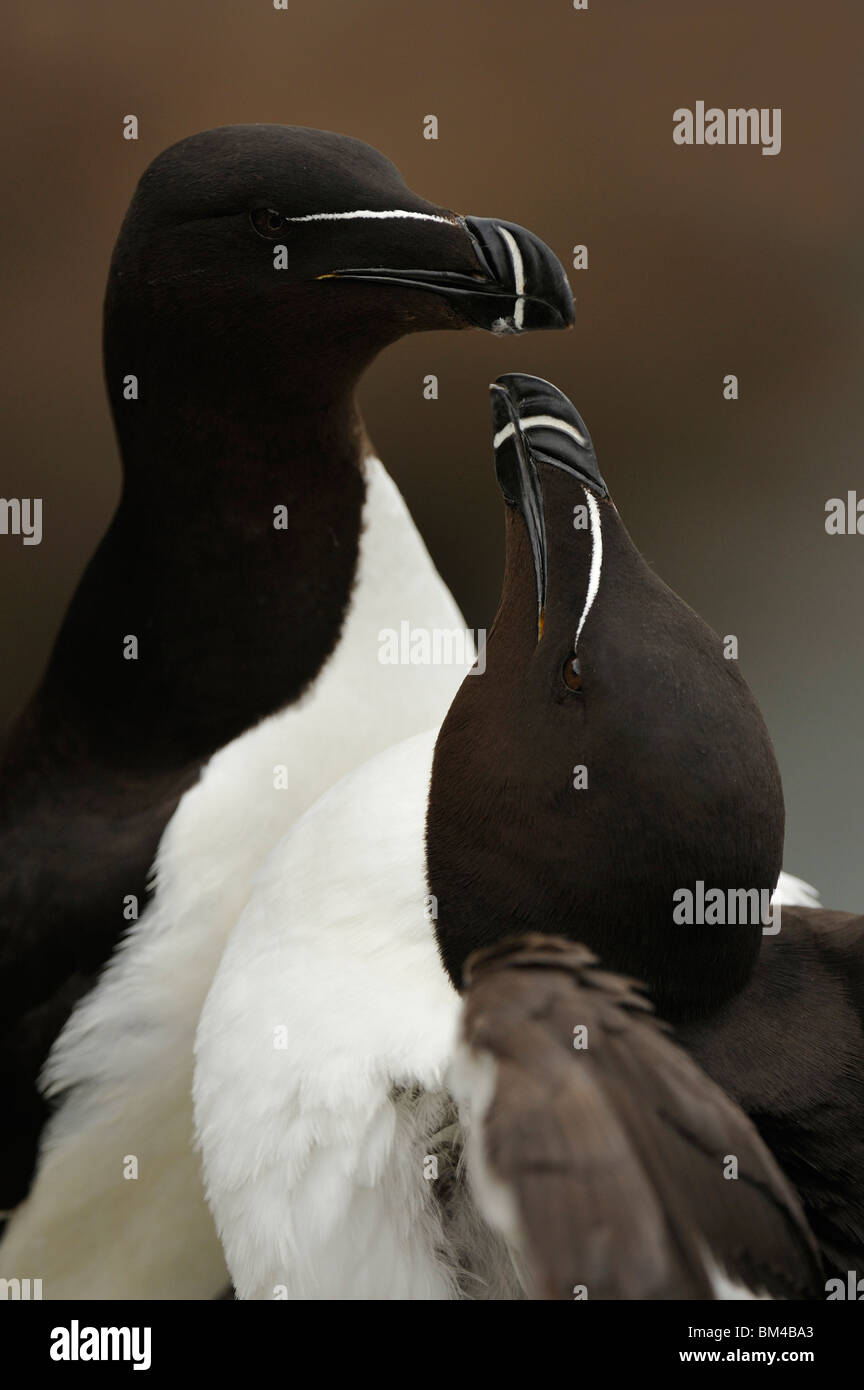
column 503, row 327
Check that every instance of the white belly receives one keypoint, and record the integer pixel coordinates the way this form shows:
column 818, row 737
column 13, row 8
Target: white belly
column 87, row 1229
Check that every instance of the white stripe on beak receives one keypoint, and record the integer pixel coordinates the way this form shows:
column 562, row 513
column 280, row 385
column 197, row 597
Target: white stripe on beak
column 540, row 421
column 518, row 275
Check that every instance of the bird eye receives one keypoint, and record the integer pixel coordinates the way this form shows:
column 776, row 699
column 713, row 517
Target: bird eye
column 572, row 674
column 268, row 222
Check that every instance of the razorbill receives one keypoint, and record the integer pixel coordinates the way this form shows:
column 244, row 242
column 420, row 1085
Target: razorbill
column 636, row 764
column 329, row 1070
column 257, row 549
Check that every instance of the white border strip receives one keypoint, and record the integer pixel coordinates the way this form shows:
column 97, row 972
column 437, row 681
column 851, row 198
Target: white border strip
column 365, row 212
column 596, row 560
column 518, row 275
column 540, row 422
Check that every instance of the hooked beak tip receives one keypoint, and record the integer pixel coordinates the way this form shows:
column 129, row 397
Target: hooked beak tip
column 551, row 430
column 534, row 423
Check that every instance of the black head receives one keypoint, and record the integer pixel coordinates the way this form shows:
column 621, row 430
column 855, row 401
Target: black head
column 594, row 663
column 197, row 276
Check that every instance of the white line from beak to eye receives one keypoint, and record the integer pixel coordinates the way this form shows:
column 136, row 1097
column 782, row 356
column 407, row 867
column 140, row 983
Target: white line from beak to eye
column 531, row 422
column 596, row 560
column 364, row 212
column 518, row 275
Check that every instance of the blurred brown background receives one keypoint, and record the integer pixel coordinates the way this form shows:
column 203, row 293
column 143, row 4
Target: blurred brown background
column 703, row 261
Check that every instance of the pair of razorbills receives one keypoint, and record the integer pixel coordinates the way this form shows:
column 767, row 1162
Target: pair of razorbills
column 346, row 1034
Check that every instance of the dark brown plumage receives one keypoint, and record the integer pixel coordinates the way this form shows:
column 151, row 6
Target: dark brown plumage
column 615, row 1153
column 789, row 1049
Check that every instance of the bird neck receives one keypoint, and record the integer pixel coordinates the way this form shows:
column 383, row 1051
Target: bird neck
column 219, row 590
column 516, row 844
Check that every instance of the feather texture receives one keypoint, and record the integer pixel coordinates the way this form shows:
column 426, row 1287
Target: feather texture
column 628, row 1174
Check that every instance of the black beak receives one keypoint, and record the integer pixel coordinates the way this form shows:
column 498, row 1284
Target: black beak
column 519, row 285
column 534, row 423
